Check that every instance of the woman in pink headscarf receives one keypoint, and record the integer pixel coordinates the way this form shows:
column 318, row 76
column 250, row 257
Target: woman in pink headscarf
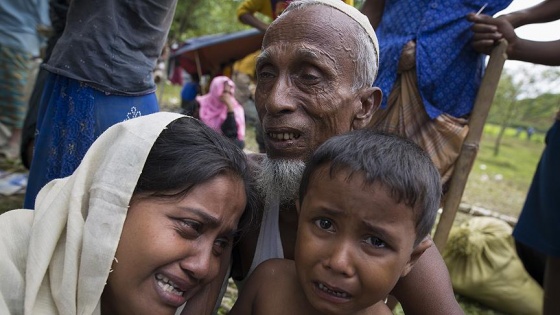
column 220, row 110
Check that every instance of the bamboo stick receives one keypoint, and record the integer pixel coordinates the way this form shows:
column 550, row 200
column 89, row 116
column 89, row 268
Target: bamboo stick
column 464, row 162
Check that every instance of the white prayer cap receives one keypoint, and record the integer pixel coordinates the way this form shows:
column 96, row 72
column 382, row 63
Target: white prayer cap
column 352, row 12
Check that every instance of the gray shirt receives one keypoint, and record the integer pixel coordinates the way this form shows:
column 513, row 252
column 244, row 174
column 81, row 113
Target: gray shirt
column 113, row 45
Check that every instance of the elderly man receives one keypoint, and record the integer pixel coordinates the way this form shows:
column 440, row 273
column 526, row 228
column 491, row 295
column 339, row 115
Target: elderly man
column 314, row 80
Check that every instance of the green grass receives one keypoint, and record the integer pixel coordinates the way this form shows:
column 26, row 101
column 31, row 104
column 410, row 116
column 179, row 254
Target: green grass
column 497, row 183
column 500, row 183
column 13, row 201
column 169, row 96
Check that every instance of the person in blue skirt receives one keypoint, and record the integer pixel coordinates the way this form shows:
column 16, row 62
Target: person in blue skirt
column 100, row 73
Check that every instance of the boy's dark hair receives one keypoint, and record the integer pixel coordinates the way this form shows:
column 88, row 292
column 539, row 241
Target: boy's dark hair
column 188, row 153
column 395, row 162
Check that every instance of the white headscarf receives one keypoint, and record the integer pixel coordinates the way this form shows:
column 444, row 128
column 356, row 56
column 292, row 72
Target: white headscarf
column 56, row 259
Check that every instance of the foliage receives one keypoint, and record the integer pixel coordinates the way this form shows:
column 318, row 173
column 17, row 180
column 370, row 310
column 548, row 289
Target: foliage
column 500, row 183
column 512, row 106
column 505, row 99
column 202, row 17
column 533, row 91
column 505, row 106
column 538, row 112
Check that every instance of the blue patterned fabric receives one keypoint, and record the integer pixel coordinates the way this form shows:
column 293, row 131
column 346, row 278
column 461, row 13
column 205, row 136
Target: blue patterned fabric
column 539, row 221
column 71, row 116
column 449, row 70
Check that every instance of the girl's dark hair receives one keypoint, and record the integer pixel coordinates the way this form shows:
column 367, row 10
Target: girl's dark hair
column 395, row 162
column 188, row 153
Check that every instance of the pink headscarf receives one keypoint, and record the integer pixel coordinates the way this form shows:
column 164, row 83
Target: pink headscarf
column 213, row 112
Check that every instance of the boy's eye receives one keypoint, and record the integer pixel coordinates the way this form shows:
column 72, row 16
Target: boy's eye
column 324, row 224
column 375, row 242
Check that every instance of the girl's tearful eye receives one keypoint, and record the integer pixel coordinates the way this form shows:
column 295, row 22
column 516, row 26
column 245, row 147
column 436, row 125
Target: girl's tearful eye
column 220, row 245
column 188, row 228
column 195, row 226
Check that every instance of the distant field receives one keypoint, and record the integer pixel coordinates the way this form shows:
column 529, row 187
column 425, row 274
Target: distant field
column 500, row 183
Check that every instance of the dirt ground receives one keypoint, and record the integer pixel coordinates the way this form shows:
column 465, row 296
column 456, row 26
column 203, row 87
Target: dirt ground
column 14, row 201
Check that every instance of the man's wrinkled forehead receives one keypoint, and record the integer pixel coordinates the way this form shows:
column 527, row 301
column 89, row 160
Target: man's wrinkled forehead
column 302, row 52
column 313, row 33
column 330, row 13
column 319, row 19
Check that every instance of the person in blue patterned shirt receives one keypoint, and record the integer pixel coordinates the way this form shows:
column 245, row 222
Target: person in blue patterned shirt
column 429, row 71
column 537, row 240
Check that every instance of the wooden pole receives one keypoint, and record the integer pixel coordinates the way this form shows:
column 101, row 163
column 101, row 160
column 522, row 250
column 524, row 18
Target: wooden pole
column 469, row 150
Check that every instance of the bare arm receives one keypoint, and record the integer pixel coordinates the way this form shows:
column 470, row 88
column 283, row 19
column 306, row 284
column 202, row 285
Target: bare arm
column 255, row 291
column 545, row 11
column 544, row 53
column 251, row 20
column 427, row 288
column 488, row 30
column 246, row 297
column 373, row 9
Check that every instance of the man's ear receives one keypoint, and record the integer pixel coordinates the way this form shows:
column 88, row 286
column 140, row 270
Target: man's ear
column 370, row 98
column 416, row 253
column 297, row 205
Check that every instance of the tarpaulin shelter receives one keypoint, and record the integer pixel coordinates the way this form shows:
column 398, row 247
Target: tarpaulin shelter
column 211, row 53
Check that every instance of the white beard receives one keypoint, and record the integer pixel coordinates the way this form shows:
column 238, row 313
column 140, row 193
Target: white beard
column 280, row 178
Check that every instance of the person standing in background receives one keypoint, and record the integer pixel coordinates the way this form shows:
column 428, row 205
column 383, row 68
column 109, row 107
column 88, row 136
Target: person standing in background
column 21, row 24
column 270, row 8
column 219, row 110
column 429, row 72
column 57, row 12
column 101, row 73
column 536, row 233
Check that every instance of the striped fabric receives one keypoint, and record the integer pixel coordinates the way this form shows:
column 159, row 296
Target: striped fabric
column 14, row 72
column 405, row 115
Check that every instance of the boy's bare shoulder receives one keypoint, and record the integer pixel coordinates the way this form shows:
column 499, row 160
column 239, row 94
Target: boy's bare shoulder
column 276, row 280
column 276, row 268
column 380, row 309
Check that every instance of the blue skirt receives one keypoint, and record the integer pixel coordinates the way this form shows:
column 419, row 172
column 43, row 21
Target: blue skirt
column 539, row 223
column 71, row 116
